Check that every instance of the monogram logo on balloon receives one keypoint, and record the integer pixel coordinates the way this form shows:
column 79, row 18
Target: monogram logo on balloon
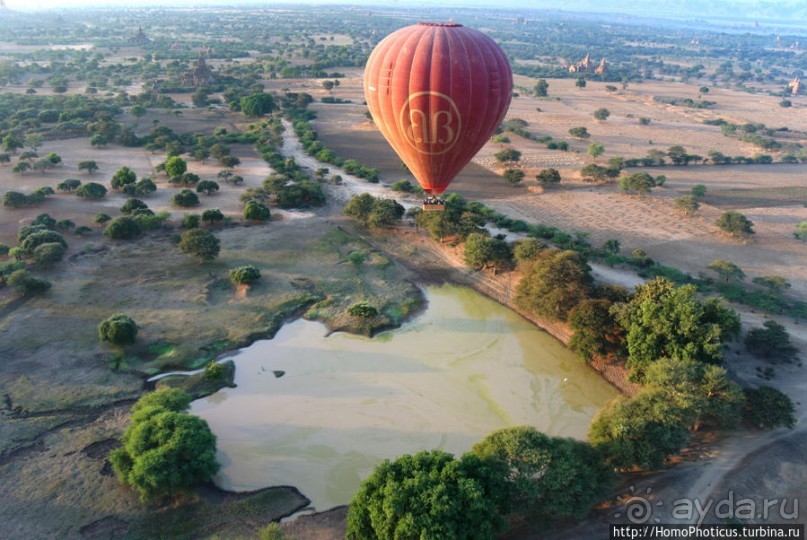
column 430, row 122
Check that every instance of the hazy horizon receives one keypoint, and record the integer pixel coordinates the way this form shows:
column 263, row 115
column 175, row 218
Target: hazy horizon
column 735, row 9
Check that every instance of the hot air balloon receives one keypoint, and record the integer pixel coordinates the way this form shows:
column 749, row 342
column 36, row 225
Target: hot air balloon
column 437, row 91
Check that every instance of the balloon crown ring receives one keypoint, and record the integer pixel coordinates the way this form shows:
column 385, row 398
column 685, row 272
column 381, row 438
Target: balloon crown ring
column 445, row 24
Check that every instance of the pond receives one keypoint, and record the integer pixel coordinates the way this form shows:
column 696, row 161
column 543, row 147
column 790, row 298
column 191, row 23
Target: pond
column 320, row 412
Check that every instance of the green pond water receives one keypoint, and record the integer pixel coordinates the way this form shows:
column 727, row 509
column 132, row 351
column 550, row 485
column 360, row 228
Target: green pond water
column 465, row 367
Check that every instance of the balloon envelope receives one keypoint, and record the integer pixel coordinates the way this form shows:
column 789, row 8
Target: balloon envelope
column 437, row 92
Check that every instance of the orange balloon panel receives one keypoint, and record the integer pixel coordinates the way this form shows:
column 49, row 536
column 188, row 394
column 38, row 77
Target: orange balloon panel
column 437, row 92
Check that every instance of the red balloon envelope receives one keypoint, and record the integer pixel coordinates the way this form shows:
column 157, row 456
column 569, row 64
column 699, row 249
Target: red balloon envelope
column 437, row 92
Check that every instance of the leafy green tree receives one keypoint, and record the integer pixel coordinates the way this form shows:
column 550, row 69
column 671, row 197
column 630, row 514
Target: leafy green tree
column 508, row 155
column 554, row 283
column 132, row 205
column 698, row 190
column 11, row 143
column 541, row 88
column 123, row 228
column 208, row 187
column 548, row 177
column 514, row 176
column 727, row 270
column 88, row 165
column 639, row 182
column 49, row 253
column 579, row 132
column 190, row 221
column 123, row 177
column 201, row 244
column 256, row 211
column 119, row 330
column 26, row 284
column 595, row 150
column 185, row 198
column 776, row 284
column 580, row 82
column 705, row 391
column 527, row 249
column 257, row 104
column 430, row 495
column 244, row 275
column 801, row 231
column 735, row 224
column 687, row 204
column 771, row 342
column 37, row 238
column 212, row 215
column 662, row 320
column 768, row 408
column 175, row 166
column 477, row 250
column 596, row 333
column 602, row 114
column 98, row 140
column 385, row 213
column 69, row 185
column 101, row 218
column 165, row 451
column 229, row 161
column 21, row 167
column 642, row 431
column 549, row 477
column 143, row 187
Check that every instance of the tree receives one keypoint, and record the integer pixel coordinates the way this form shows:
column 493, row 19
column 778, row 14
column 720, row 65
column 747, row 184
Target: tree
column 69, row 185
column 776, row 284
column 38, row 237
column 138, row 111
column 771, row 342
column 26, row 284
column 21, row 167
column 595, row 150
column 119, row 330
column 98, row 140
column 549, row 477
column 801, row 231
column 11, row 143
column 508, row 155
column 123, row 228
column 430, row 495
column 123, row 177
column 88, row 165
column 165, row 451
column 514, row 176
column 547, row 177
column 208, row 187
column 580, row 82
column 175, row 166
column 257, row 104
column 385, row 213
column 698, row 190
column 642, row 431
column 735, row 224
column 201, row 244
column 579, row 132
column 477, row 250
column 327, row 85
column 244, row 275
column 132, row 205
column 644, row 121
column 768, row 408
column 185, row 198
column 727, row 270
column 527, row 249
column 602, row 114
column 256, row 211
column 49, row 253
column 212, row 215
column 555, row 282
column 144, row 186
column 541, row 88
column 596, row 332
column 639, row 182
column 687, row 204
column 33, row 140
column 229, row 161
column 663, row 320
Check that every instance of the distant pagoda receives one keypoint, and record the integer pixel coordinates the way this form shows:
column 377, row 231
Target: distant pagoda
column 201, row 74
column 140, row 38
column 795, row 86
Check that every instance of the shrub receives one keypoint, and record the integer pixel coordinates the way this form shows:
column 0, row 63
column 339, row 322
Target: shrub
column 771, row 342
column 91, row 190
column 26, row 284
column 244, row 275
column 131, row 205
column 201, row 244
column 212, row 215
column 119, row 329
column 49, row 253
column 190, row 221
column 256, row 211
column 735, row 224
column 123, row 228
column 186, row 198
column 767, row 407
column 362, row 310
column 37, row 238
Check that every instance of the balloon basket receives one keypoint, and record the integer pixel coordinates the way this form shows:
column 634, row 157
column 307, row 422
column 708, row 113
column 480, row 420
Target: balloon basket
column 433, row 205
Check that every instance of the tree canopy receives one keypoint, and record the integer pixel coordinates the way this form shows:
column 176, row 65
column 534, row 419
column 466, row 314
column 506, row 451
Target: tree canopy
column 555, row 282
column 119, row 329
column 201, row 244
